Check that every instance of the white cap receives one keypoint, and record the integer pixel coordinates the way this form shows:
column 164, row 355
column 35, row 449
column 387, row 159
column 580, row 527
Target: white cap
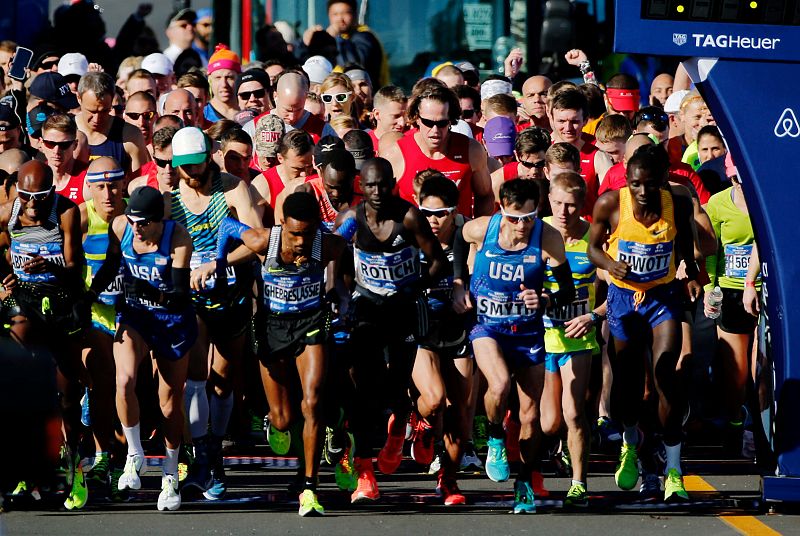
column 73, row 63
column 190, row 146
column 157, row 63
column 462, row 127
column 673, row 102
column 317, row 68
column 491, row 88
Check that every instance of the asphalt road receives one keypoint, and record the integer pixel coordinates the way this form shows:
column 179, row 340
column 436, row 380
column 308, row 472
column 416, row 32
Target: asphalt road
column 725, row 500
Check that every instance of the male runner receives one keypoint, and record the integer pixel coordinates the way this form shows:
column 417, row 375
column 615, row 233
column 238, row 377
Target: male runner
column 389, row 235
column 389, row 113
column 432, row 145
column 59, row 136
column 534, row 102
column 141, row 112
column 293, row 323
column 156, row 318
column 203, row 198
column 181, row 103
column 650, row 232
column 334, row 188
column 508, row 275
column 294, row 165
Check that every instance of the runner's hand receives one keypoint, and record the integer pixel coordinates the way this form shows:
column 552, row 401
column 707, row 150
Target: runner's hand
column 529, row 297
column 10, row 282
column 461, row 300
column 513, row 62
column 619, row 269
column 202, row 274
column 750, row 301
column 707, row 308
column 37, row 265
column 694, row 289
column 578, row 327
column 575, row 57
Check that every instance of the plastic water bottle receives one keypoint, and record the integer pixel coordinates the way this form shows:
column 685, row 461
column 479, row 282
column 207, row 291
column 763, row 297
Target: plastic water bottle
column 715, row 300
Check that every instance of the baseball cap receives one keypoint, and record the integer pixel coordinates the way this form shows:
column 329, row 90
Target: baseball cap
column 157, row 63
column 36, row 118
column 52, row 87
column 73, row 63
column 325, row 145
column 224, row 58
column 185, row 14
column 8, row 117
column 490, row 88
column 623, row 100
column 253, row 75
column 269, row 131
column 317, row 68
column 190, row 145
column 673, row 103
column 204, row 13
column 470, row 72
column 41, row 53
column 145, row 203
column 499, row 135
column 359, row 144
column 358, row 74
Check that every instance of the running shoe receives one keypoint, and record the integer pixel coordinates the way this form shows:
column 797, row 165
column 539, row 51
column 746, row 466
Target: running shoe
column 497, row 461
column 563, row 461
column 218, row 487
column 367, row 488
column 117, row 495
column 98, row 474
column 470, row 460
column 537, row 483
column 480, row 432
column 79, row 493
column 279, row 442
column 86, row 416
column 344, row 472
column 576, row 497
column 447, row 489
column 170, row 497
column 650, row 486
column 524, row 502
column 20, row 490
column 436, row 463
column 674, row 491
column 627, row 473
column 309, row 504
column 411, row 425
column 606, row 433
column 130, row 478
column 200, row 472
column 391, row 454
column 422, row 443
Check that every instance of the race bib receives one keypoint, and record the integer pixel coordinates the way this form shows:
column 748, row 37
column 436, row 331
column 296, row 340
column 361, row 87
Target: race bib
column 558, row 316
column 293, row 294
column 202, row 257
column 496, row 307
column 386, row 273
column 737, row 260
column 648, row 262
column 24, row 252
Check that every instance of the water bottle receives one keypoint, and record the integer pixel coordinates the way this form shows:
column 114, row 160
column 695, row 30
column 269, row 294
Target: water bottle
column 715, row 300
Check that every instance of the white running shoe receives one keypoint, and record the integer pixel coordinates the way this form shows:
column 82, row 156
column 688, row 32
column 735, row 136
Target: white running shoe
column 170, row 497
column 130, row 475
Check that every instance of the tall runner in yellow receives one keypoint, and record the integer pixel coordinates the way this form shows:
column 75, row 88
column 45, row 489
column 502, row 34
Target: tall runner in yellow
column 650, row 233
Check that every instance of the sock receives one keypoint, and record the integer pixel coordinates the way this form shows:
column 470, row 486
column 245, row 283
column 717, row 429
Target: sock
column 170, row 466
column 221, row 409
column 196, row 402
column 496, row 431
column 578, row 483
column 133, row 436
column 631, row 435
column 673, row 458
column 310, row 483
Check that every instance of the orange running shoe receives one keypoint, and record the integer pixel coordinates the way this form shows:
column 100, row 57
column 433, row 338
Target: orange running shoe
column 447, row 489
column 537, row 483
column 367, row 489
column 391, row 454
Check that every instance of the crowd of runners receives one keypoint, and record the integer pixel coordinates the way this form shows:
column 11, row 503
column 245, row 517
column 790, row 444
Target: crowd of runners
column 493, row 277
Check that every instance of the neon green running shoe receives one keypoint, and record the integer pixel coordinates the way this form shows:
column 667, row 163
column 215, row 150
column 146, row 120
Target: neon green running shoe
column 79, row 493
column 627, row 474
column 98, row 474
column 344, row 472
column 279, row 442
column 576, row 496
column 20, row 490
column 674, row 491
column 309, row 504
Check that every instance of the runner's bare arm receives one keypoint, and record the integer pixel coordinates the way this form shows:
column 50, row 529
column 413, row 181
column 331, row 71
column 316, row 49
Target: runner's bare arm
column 605, row 210
column 394, row 155
column 134, row 144
column 108, row 271
column 684, row 242
column 428, row 243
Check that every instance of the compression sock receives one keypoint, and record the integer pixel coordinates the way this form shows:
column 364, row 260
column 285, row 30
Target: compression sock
column 221, row 409
column 673, row 458
column 196, row 402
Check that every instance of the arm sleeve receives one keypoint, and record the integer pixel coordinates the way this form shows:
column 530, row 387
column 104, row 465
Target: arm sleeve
column 180, row 295
column 566, row 286
column 460, row 256
column 711, row 260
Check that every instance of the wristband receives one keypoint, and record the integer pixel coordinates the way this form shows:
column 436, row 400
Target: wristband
column 585, row 66
column 750, row 284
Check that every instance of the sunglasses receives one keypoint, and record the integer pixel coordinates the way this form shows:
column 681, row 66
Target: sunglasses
column 47, row 65
column 442, row 123
column 134, row 116
column 62, row 145
column 517, row 218
column 438, row 212
column 660, row 120
column 328, row 98
column 34, row 196
column 140, row 223
column 467, row 114
column 531, row 165
column 162, row 163
column 258, row 93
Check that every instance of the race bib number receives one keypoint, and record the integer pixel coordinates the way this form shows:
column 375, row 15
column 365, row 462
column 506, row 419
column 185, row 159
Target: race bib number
column 558, row 316
column 21, row 253
column 737, row 260
column 293, row 294
column 502, row 307
column 202, row 257
column 387, row 273
column 648, row 262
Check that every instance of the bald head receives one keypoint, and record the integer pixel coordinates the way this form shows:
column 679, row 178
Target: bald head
column 181, row 103
column 12, row 159
column 636, row 141
column 534, row 95
column 34, row 176
column 104, row 163
column 291, row 84
column 290, row 97
column 661, row 88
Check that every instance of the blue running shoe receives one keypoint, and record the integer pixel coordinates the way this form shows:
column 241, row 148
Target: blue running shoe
column 86, row 417
column 523, row 498
column 218, row 487
column 497, row 460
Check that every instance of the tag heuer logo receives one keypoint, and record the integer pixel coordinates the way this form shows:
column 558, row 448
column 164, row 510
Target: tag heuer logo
column 679, row 39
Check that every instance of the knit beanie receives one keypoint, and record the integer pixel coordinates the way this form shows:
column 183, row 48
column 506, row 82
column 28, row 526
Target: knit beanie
column 224, row 58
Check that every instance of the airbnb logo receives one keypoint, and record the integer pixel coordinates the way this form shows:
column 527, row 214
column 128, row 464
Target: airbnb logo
column 787, row 125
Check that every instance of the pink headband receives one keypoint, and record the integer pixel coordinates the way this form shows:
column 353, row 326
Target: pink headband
column 224, row 64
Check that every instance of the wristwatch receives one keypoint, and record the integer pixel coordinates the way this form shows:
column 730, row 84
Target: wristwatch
column 596, row 318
